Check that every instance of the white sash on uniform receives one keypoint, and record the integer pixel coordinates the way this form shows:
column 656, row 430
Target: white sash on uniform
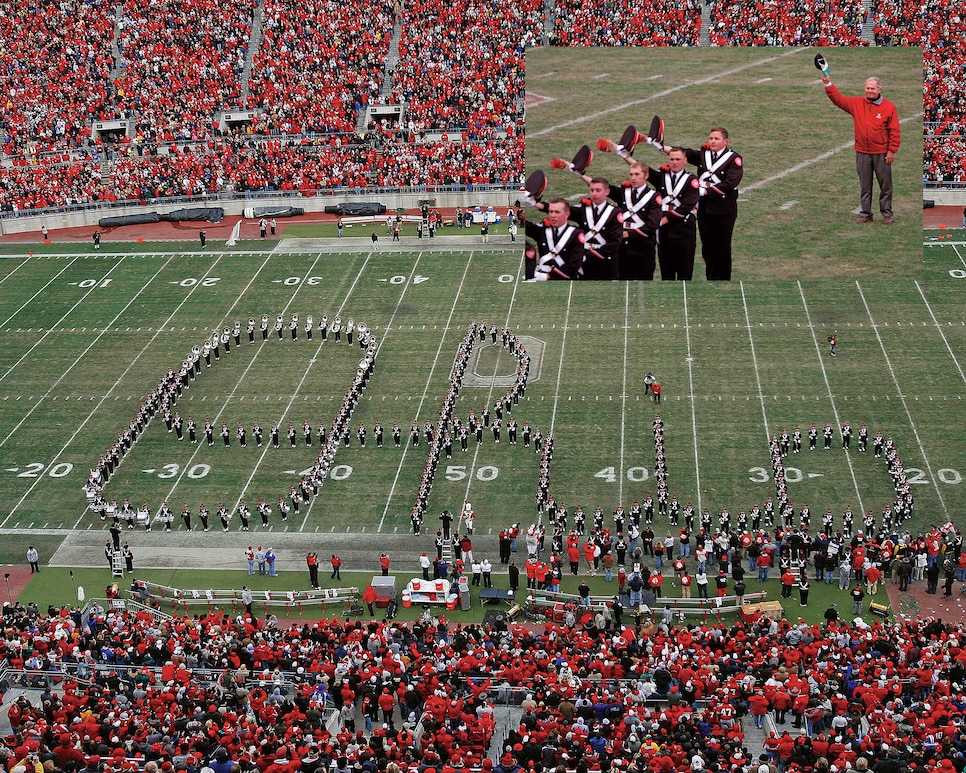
column 710, row 177
column 632, row 209
column 594, row 240
column 555, row 246
column 673, row 200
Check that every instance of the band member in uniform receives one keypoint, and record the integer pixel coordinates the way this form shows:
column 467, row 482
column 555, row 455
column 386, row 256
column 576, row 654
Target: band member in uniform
column 641, row 215
column 243, row 515
column 226, row 435
column 257, row 432
column 719, row 173
column 273, row 433
column 601, row 223
column 559, row 251
column 677, row 238
column 203, row 514
column 224, row 515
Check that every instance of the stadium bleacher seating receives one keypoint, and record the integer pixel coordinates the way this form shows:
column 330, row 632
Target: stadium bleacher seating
column 309, row 69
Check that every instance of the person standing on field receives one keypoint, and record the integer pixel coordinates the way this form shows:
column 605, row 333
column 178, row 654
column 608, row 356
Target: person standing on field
column 876, row 143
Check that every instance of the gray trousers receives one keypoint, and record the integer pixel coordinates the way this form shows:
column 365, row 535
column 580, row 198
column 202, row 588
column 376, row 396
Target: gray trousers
column 869, row 165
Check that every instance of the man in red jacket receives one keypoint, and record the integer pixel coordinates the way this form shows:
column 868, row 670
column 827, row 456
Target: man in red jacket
column 876, row 142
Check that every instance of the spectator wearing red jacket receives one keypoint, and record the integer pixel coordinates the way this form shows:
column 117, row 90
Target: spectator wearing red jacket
column 876, row 143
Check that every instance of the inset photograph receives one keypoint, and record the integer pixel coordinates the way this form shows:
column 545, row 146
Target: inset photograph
column 724, row 163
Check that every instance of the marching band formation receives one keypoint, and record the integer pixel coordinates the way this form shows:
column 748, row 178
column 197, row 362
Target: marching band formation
column 162, row 401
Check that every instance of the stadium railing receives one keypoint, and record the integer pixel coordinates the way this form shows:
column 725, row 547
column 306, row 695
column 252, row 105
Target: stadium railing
column 187, row 597
column 296, row 199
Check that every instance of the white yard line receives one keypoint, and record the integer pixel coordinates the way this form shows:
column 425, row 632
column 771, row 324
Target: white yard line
column 809, row 161
column 694, row 413
column 624, row 390
column 563, row 348
column 831, row 397
column 754, row 359
column 339, row 312
column 16, row 268
column 100, row 402
column 231, row 395
column 429, row 381
column 63, row 317
column 902, row 399
column 106, row 329
column 170, row 317
column 476, row 451
column 661, row 94
column 959, row 255
column 940, row 330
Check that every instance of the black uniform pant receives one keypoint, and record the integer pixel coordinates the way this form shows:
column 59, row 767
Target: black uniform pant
column 677, row 256
column 600, row 268
column 636, row 258
column 716, row 231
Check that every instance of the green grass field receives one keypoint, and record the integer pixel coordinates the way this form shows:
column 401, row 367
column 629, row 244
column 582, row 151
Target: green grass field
column 799, row 194
column 88, row 336
column 944, row 254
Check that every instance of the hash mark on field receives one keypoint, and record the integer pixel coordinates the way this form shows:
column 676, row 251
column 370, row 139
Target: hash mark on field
column 809, row 161
column 828, row 386
column 912, row 424
column 694, row 418
column 659, row 95
column 787, row 205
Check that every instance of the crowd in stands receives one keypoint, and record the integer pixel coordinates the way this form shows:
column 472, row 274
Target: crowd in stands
column 316, row 65
column 663, row 23
column 214, row 692
column 55, row 73
column 320, row 63
column 797, row 23
column 181, row 62
column 906, row 23
column 68, row 181
column 240, row 165
column 461, row 65
column 944, row 65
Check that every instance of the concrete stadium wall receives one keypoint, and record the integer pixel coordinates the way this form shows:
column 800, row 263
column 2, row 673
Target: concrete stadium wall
column 946, row 197
column 498, row 199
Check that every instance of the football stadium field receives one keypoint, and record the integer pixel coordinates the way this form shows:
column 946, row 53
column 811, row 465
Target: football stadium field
column 799, row 193
column 88, row 335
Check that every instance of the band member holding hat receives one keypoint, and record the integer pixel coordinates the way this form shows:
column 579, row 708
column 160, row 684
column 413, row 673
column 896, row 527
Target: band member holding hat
column 640, row 217
column 559, row 245
column 677, row 239
column 600, row 222
column 719, row 172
